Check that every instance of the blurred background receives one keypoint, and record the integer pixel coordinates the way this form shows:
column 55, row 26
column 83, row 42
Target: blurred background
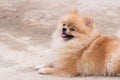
column 26, row 27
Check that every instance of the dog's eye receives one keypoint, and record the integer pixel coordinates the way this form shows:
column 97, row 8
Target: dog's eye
column 64, row 24
column 72, row 29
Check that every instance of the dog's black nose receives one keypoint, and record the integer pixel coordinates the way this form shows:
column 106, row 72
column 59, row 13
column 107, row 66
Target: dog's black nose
column 64, row 29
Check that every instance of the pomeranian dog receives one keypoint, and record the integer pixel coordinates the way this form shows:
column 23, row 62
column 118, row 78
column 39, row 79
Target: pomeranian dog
column 79, row 49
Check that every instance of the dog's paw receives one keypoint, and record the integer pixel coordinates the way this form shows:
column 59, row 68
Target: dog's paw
column 44, row 71
column 44, row 66
column 39, row 67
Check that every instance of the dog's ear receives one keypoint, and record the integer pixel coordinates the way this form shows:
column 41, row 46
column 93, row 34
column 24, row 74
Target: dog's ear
column 73, row 11
column 89, row 21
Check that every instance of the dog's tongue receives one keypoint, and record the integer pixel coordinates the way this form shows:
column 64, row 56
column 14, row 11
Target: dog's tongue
column 63, row 35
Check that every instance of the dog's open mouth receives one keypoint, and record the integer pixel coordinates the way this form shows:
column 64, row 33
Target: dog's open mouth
column 65, row 35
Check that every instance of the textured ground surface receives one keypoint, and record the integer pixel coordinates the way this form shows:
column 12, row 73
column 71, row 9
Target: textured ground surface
column 26, row 26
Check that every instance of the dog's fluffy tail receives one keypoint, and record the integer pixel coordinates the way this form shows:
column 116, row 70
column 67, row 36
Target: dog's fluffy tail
column 117, row 34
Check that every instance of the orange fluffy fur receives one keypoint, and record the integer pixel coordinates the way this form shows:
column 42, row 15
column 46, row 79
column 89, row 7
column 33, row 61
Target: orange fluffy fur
column 87, row 53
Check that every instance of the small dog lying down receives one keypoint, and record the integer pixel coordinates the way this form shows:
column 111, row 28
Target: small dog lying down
column 80, row 50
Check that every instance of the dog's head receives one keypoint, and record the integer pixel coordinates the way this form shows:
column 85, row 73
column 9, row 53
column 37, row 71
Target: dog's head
column 73, row 25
